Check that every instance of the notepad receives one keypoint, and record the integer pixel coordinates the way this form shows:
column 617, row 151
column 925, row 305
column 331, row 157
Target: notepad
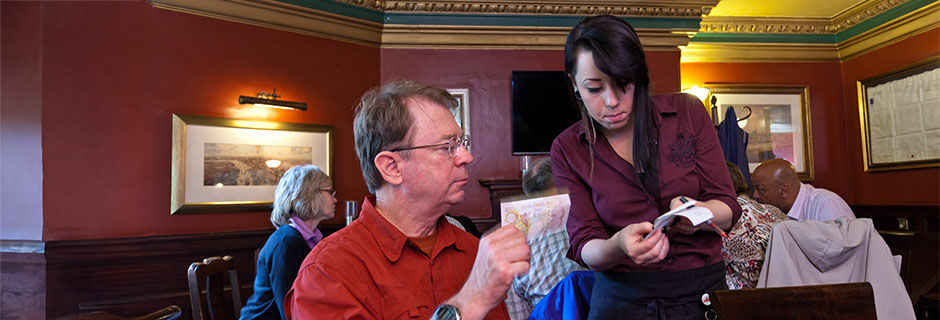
column 697, row 215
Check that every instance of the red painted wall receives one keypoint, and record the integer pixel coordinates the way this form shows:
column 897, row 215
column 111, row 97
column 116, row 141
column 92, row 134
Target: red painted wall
column 487, row 74
column 912, row 186
column 114, row 72
column 825, row 95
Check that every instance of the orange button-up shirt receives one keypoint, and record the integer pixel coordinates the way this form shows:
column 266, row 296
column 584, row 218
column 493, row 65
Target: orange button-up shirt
column 370, row 270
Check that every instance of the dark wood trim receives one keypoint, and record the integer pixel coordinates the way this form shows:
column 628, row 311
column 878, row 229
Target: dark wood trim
column 23, row 285
column 127, row 277
column 499, row 188
column 913, row 232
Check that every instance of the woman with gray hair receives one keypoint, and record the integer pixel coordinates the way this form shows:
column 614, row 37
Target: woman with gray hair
column 304, row 196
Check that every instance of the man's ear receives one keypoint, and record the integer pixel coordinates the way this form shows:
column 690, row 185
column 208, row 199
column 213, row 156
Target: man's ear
column 389, row 165
column 784, row 190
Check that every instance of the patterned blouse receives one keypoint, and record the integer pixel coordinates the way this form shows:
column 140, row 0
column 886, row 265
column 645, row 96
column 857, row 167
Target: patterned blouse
column 743, row 249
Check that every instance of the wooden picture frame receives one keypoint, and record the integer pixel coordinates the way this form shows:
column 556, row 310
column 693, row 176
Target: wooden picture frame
column 230, row 165
column 899, row 114
column 777, row 124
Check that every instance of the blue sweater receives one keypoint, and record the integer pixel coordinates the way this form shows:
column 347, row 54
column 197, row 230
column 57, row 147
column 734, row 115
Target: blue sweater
column 278, row 262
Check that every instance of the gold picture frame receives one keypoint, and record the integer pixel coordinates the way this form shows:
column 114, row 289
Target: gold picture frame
column 778, row 121
column 230, row 165
column 899, row 115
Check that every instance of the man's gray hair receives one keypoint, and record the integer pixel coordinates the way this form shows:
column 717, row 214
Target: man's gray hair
column 298, row 193
column 383, row 122
column 539, row 178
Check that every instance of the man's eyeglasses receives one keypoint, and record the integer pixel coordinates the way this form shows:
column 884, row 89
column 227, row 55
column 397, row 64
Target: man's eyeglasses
column 451, row 145
column 332, row 192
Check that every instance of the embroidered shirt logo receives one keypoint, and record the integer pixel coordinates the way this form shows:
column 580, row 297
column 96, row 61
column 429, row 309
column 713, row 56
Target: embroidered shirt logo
column 682, row 152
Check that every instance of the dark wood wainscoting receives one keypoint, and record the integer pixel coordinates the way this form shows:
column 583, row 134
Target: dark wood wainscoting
column 22, row 285
column 499, row 188
column 913, row 232
column 126, row 277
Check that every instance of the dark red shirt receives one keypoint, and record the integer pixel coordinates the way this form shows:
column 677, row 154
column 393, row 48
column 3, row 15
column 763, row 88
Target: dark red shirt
column 370, row 270
column 690, row 164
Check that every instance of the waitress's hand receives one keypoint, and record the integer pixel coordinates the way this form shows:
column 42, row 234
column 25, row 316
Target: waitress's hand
column 682, row 224
column 642, row 251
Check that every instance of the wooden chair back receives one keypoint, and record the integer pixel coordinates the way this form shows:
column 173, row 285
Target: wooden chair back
column 832, row 301
column 207, row 291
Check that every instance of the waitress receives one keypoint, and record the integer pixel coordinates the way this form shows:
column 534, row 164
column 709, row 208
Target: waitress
column 631, row 158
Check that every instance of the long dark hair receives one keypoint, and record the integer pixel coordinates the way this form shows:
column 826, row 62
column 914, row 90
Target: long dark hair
column 618, row 53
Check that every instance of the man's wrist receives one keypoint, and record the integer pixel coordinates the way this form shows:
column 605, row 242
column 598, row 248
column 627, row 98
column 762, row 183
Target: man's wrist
column 469, row 308
column 446, row 312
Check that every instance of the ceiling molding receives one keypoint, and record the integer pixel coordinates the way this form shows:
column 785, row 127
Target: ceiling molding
column 528, row 38
column 909, row 25
column 543, row 25
column 795, row 25
column 668, row 8
column 278, row 15
column 861, row 12
column 766, row 25
column 487, row 24
column 759, row 52
column 889, row 21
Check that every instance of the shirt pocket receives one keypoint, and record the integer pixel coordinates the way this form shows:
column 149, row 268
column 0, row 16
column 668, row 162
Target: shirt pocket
column 405, row 303
column 681, row 152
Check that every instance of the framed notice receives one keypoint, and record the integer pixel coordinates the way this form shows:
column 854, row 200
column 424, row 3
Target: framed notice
column 900, row 118
column 229, row 165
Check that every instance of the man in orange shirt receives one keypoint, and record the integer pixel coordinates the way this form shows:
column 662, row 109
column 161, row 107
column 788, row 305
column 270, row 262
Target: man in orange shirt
column 401, row 259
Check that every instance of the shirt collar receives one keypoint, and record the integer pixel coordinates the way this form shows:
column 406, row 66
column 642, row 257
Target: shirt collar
column 796, row 210
column 661, row 108
column 392, row 241
column 312, row 237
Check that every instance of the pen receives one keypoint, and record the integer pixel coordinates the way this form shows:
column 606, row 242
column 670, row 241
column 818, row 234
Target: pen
column 709, row 222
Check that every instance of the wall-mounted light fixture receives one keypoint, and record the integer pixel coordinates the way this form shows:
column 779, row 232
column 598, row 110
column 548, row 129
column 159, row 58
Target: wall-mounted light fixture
column 270, row 100
column 697, row 91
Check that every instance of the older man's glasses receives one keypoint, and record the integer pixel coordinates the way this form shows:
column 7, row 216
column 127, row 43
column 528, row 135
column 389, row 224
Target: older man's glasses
column 451, row 145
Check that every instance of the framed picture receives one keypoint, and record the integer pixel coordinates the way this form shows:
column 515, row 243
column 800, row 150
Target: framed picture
column 900, row 118
column 229, row 165
column 462, row 114
column 776, row 119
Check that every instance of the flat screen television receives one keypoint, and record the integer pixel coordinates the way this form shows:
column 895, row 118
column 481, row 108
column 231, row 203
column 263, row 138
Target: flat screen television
column 542, row 107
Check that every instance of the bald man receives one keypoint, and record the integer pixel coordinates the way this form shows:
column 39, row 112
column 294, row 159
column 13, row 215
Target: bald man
column 776, row 183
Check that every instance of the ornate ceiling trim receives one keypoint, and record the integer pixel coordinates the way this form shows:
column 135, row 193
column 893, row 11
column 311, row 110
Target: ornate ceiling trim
column 277, row 15
column 539, row 24
column 453, row 24
column 771, row 25
column 909, row 25
column 673, row 8
column 861, row 12
column 765, row 25
column 888, row 28
column 528, row 38
column 759, row 52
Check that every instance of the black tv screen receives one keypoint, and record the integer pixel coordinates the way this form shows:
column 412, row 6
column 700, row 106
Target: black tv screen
column 542, row 107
